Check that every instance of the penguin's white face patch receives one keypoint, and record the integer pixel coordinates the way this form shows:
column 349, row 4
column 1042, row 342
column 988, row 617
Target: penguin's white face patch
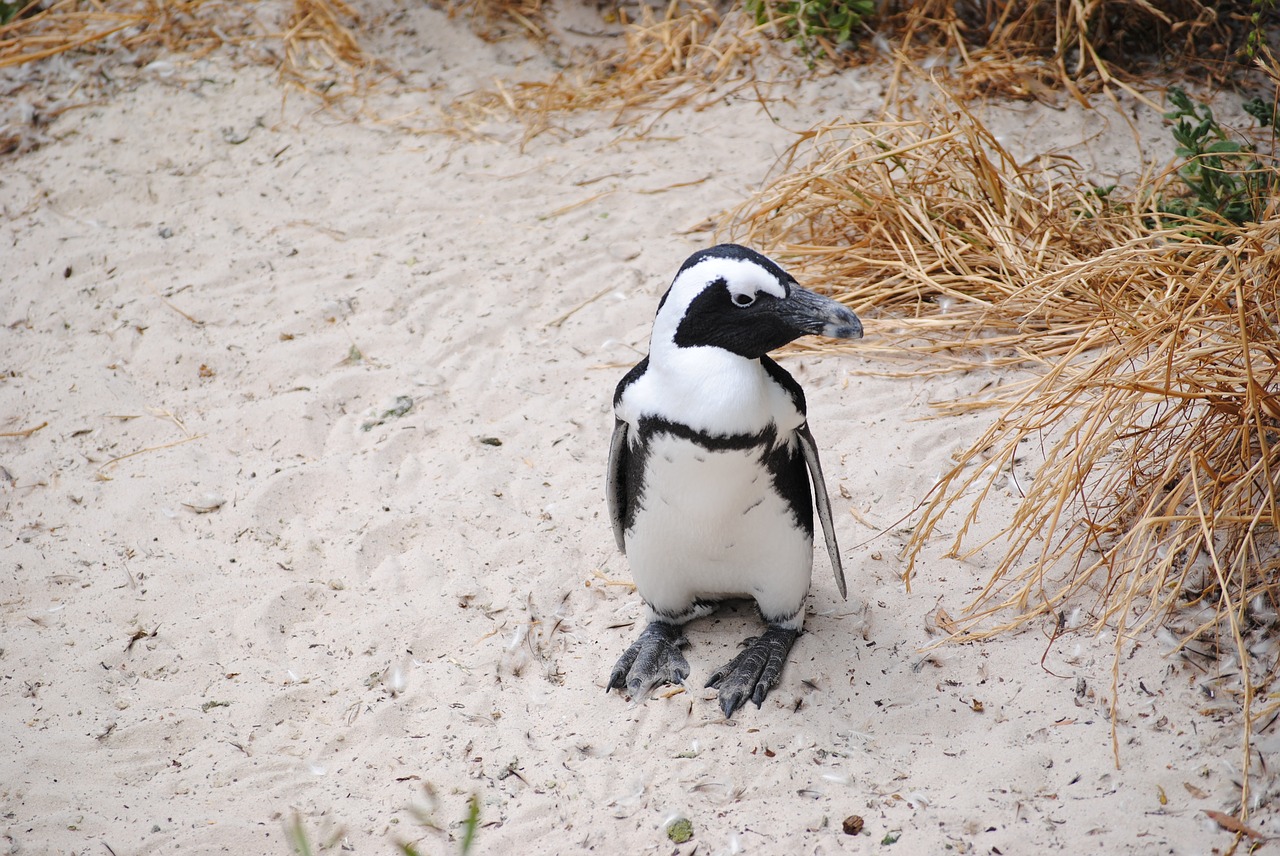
column 743, row 280
column 744, row 289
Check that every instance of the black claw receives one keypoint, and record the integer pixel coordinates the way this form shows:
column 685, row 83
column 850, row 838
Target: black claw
column 651, row 660
column 618, row 677
column 730, row 703
column 755, row 670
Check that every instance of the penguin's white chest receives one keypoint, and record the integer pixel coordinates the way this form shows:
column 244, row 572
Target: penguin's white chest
column 710, row 391
column 711, row 525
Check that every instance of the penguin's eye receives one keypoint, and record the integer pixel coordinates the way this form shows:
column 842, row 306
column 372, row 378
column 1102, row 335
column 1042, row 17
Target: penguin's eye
column 744, row 299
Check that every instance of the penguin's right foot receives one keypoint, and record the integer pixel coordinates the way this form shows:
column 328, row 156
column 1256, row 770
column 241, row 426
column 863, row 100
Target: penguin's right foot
column 651, row 660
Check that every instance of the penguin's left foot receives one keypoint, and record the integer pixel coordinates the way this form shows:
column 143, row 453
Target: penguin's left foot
column 652, row 659
column 755, row 671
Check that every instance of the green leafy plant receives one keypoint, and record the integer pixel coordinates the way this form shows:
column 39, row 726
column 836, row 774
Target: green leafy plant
column 470, row 825
column 9, row 10
column 1256, row 40
column 816, row 25
column 295, row 831
column 1227, row 181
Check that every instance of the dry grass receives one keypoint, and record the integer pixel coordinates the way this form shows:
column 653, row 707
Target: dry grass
column 497, row 19
column 665, row 63
column 685, row 55
column 318, row 39
column 912, row 215
column 195, row 27
column 1153, row 390
column 66, row 55
column 1042, row 50
column 322, row 48
column 1092, row 37
column 1078, row 35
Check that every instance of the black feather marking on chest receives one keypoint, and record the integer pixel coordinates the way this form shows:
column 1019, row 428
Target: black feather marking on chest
column 783, row 378
column 629, row 378
column 783, row 461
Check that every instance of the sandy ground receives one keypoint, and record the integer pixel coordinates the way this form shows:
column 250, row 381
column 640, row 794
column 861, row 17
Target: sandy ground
column 315, row 529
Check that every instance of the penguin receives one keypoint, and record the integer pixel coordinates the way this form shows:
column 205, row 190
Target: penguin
column 710, row 468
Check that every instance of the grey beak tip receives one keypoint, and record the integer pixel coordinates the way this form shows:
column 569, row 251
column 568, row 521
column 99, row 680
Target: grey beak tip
column 846, row 326
column 810, row 312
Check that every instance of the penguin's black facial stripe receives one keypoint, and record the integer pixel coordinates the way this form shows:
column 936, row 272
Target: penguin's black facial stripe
column 720, row 318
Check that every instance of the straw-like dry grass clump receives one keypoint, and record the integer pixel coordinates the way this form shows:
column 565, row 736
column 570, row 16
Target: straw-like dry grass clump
column 667, row 59
column 313, row 41
column 665, row 63
column 496, row 19
column 322, row 47
column 57, row 56
column 1081, row 38
column 195, row 27
column 915, row 216
column 1025, row 49
column 1153, row 396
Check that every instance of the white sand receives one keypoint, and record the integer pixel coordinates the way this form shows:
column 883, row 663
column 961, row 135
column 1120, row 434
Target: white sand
column 385, row 604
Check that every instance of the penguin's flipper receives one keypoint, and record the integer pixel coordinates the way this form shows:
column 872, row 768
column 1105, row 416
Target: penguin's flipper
column 615, row 486
column 651, row 660
column 823, row 502
column 755, row 670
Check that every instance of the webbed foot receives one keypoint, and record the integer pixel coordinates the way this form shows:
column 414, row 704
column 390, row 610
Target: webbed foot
column 651, row 660
column 755, row 671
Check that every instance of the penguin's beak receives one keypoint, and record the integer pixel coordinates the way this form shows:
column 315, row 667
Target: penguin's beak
column 813, row 314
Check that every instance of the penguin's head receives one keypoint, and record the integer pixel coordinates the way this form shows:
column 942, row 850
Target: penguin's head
column 733, row 298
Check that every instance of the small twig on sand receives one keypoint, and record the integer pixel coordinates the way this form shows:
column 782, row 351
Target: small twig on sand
column 102, row 469
column 566, row 316
column 169, row 303
column 25, row 432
